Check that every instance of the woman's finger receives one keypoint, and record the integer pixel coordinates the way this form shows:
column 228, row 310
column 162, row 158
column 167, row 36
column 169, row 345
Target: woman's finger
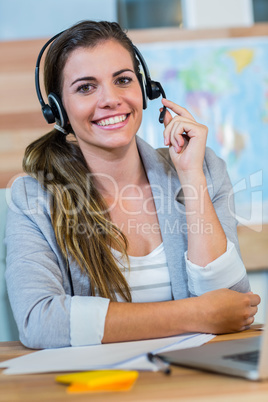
column 167, row 119
column 181, row 111
column 183, row 126
column 249, row 321
column 254, row 310
column 254, row 299
column 176, row 137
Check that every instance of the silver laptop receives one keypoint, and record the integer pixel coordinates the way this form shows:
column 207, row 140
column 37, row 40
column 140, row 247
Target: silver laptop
column 243, row 357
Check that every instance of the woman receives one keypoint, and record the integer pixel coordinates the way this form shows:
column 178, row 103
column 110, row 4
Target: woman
column 107, row 238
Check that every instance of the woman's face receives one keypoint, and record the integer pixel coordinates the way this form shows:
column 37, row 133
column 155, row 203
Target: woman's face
column 102, row 96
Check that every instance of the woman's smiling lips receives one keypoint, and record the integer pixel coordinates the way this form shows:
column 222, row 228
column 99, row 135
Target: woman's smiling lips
column 112, row 122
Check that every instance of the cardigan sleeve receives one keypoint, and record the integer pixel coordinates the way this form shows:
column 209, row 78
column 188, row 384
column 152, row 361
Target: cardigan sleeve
column 46, row 313
column 224, row 272
column 227, row 271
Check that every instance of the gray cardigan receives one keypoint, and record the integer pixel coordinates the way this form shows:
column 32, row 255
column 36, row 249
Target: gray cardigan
column 39, row 286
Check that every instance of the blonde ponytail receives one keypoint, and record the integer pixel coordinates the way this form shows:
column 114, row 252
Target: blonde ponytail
column 79, row 216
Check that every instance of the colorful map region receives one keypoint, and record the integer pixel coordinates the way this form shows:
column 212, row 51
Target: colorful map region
column 224, row 84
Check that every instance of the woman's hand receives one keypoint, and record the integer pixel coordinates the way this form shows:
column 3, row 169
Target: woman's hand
column 186, row 139
column 225, row 310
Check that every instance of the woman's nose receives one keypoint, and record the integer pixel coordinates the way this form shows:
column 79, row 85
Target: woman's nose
column 109, row 97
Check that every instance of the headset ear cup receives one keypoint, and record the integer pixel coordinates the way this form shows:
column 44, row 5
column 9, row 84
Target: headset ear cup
column 58, row 110
column 143, row 90
column 153, row 90
column 48, row 114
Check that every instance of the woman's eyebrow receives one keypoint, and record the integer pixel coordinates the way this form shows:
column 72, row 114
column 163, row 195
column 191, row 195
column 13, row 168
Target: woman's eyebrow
column 83, row 79
column 94, row 79
column 122, row 71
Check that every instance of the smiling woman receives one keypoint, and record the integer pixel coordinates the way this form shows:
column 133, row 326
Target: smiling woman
column 107, row 238
column 110, row 98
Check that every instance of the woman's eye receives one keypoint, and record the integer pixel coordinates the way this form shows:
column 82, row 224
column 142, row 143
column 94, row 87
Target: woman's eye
column 85, row 88
column 124, row 80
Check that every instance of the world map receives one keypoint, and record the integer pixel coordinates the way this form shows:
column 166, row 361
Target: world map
column 224, row 84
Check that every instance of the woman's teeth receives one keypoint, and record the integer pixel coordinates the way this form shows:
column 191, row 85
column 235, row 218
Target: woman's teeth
column 112, row 120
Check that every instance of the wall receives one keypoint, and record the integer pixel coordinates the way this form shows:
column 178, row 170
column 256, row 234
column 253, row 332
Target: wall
column 25, row 19
column 217, row 13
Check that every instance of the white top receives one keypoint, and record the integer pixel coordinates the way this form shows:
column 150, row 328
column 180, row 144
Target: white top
column 148, row 276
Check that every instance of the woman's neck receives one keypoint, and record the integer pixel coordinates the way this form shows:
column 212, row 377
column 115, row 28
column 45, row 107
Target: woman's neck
column 116, row 169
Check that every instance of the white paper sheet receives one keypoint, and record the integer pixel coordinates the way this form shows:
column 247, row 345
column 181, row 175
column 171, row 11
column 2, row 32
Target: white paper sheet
column 114, row 355
column 142, row 363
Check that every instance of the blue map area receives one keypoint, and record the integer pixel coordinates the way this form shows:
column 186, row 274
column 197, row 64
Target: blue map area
column 224, row 84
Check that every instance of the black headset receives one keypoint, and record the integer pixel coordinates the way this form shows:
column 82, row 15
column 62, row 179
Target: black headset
column 54, row 110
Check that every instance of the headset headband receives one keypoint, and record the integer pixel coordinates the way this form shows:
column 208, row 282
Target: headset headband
column 37, row 67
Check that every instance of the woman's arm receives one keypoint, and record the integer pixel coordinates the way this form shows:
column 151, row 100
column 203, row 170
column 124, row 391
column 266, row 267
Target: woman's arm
column 219, row 311
column 187, row 154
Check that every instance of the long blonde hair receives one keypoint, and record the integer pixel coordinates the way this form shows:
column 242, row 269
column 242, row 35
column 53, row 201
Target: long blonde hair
column 79, row 214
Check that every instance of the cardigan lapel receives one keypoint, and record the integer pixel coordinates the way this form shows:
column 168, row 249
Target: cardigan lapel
column 166, row 186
